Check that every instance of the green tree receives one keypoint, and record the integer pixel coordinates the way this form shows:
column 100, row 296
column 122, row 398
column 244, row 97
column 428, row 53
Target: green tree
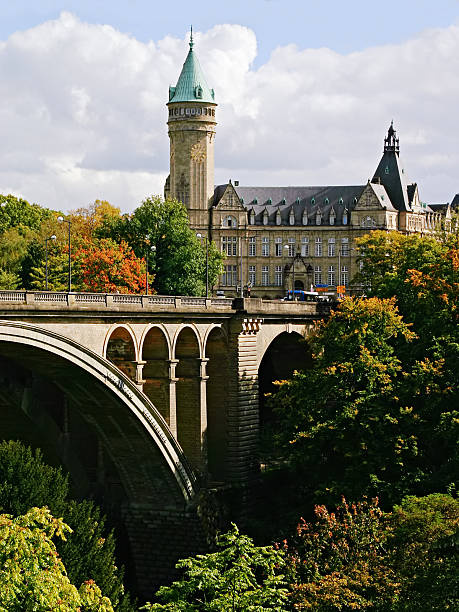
column 33, row 577
column 423, row 547
column 239, row 577
column 18, row 213
column 176, row 256
column 9, row 280
column 89, row 550
column 342, row 424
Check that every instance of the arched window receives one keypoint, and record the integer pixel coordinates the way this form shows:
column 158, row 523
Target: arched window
column 265, row 217
column 332, row 216
column 278, row 217
column 252, row 217
column 229, row 221
column 291, row 217
column 345, row 216
column 318, row 217
column 305, row 217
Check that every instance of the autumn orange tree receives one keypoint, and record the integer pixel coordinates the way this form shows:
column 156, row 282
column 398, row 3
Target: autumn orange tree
column 358, row 557
column 109, row 267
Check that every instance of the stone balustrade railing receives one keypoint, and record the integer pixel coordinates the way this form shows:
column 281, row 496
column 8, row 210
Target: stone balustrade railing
column 51, row 300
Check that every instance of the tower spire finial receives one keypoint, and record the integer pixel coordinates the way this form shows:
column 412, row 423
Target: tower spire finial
column 191, row 38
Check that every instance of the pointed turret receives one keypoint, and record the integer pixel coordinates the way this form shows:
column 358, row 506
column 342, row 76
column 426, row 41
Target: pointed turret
column 192, row 131
column 390, row 172
column 191, row 85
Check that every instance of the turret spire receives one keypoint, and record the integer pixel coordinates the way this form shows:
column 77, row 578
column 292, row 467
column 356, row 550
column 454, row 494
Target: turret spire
column 191, row 43
column 391, row 142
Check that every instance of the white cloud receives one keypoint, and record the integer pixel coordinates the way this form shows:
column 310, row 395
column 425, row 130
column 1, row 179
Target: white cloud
column 83, row 116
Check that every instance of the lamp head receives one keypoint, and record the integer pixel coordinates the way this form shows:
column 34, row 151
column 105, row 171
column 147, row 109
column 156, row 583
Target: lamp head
column 60, row 219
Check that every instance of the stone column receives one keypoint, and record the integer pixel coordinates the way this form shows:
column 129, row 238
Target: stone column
column 173, row 397
column 203, row 378
column 139, row 381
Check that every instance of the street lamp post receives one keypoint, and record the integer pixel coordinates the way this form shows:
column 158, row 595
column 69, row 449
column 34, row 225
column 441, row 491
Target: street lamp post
column 152, row 248
column 309, row 271
column 53, row 237
column 62, row 220
column 293, row 270
column 200, row 236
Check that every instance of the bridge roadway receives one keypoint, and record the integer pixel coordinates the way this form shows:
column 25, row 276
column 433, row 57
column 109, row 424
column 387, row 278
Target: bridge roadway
column 146, row 399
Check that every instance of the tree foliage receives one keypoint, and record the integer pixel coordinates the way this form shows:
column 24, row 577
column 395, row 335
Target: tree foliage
column 359, row 558
column 344, row 426
column 89, row 550
column 241, row 576
column 32, row 575
column 338, row 561
column 377, row 413
column 176, row 256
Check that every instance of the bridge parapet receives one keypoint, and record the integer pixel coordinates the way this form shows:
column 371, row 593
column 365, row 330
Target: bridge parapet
column 119, row 302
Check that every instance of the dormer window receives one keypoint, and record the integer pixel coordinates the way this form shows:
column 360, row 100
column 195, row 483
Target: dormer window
column 229, row 221
column 386, row 170
column 313, row 201
column 298, row 200
column 265, row 217
column 291, row 217
column 270, row 201
column 345, row 216
column 340, row 201
column 278, row 217
column 255, row 200
column 332, row 217
column 304, row 219
column 198, row 92
column 284, row 201
column 326, row 201
column 318, row 217
column 252, row 217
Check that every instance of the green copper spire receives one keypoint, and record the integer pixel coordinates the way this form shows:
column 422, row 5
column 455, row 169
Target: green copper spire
column 191, row 85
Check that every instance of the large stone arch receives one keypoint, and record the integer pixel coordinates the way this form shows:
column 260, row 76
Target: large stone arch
column 286, row 352
column 58, row 395
column 67, row 358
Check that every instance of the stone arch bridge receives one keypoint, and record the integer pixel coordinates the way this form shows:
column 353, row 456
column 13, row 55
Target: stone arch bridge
column 144, row 399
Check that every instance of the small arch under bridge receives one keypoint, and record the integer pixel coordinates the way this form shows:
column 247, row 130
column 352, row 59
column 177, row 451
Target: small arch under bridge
column 144, row 398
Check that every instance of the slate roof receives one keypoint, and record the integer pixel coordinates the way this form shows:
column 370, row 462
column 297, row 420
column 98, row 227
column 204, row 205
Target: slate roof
column 191, row 81
column 300, row 199
column 391, row 173
column 455, row 202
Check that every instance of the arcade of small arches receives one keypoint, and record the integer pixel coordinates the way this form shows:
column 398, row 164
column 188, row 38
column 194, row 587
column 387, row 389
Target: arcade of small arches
column 186, row 372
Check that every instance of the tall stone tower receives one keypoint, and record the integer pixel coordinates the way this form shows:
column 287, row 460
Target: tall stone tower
column 191, row 132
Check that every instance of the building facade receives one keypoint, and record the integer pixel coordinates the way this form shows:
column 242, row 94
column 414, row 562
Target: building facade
column 277, row 238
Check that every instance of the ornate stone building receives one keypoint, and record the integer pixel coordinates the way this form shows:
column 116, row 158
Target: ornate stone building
column 275, row 238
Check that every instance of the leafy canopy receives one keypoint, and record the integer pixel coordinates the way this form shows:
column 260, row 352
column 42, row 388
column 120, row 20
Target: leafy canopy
column 33, row 576
column 88, row 552
column 239, row 577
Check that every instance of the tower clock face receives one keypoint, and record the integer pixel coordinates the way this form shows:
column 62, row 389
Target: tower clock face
column 198, row 152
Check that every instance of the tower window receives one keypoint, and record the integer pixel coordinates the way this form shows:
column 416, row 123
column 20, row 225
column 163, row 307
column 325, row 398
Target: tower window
column 198, row 91
column 386, row 170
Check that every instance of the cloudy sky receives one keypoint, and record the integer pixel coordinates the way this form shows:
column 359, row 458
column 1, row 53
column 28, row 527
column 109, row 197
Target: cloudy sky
column 306, row 91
